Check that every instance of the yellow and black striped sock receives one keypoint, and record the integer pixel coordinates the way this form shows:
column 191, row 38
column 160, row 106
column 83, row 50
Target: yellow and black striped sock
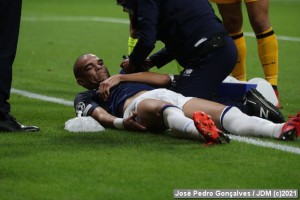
column 268, row 54
column 239, row 71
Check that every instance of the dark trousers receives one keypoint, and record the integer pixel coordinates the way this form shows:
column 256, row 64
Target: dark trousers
column 206, row 74
column 10, row 14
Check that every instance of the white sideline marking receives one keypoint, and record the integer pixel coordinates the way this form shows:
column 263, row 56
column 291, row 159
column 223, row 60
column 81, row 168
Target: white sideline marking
column 261, row 143
column 256, row 142
column 41, row 97
column 279, row 37
column 119, row 21
column 76, row 19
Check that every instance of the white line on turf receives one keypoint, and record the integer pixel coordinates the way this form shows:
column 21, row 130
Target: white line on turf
column 119, row 21
column 256, row 142
column 279, row 37
column 261, row 143
column 76, row 19
column 41, row 97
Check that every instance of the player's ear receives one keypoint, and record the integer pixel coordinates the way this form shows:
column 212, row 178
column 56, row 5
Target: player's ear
column 80, row 81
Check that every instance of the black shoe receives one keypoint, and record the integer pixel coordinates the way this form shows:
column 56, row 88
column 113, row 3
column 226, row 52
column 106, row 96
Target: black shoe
column 11, row 125
column 257, row 105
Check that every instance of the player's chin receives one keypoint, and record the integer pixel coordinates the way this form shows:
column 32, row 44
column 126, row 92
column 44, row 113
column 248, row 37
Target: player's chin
column 102, row 76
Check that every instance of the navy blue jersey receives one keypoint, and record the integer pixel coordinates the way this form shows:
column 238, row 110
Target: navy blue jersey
column 87, row 101
column 179, row 24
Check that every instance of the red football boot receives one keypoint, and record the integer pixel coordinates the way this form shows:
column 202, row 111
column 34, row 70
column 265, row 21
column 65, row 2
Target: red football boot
column 208, row 129
column 291, row 129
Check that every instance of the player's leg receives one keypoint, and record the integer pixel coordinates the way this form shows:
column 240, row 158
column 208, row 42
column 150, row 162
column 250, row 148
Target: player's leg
column 258, row 12
column 212, row 108
column 234, row 121
column 10, row 14
column 232, row 17
column 238, row 123
column 206, row 116
column 159, row 109
column 158, row 115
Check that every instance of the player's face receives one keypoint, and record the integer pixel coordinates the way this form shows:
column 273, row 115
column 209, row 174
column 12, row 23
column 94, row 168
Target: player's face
column 93, row 71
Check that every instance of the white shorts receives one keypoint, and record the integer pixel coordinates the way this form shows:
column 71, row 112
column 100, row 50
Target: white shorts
column 158, row 94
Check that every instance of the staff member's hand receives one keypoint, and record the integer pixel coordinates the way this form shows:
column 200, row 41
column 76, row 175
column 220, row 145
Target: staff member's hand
column 147, row 65
column 127, row 67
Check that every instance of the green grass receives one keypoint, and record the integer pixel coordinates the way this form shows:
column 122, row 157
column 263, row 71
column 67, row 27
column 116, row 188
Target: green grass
column 56, row 164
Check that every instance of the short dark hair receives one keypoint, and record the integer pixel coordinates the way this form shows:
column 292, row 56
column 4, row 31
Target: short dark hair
column 76, row 71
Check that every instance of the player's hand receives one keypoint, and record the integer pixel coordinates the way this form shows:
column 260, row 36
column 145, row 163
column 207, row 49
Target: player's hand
column 105, row 86
column 131, row 124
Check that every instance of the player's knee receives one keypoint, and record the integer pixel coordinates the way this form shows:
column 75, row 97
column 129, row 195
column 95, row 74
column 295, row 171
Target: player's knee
column 151, row 113
column 161, row 108
column 260, row 24
column 233, row 24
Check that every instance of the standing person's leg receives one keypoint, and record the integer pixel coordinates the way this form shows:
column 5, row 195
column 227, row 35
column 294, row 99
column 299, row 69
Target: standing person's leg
column 10, row 14
column 232, row 17
column 258, row 12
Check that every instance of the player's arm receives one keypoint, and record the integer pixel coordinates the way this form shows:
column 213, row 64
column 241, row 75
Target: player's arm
column 104, row 118
column 85, row 104
column 150, row 78
column 161, row 58
column 108, row 120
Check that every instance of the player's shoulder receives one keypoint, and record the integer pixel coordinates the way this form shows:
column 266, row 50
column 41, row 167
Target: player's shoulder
column 85, row 95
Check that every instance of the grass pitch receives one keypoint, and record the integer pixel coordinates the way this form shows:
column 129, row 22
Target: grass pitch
column 56, row 164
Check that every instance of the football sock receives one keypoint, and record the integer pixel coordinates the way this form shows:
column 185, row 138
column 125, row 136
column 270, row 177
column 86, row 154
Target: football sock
column 238, row 123
column 268, row 54
column 239, row 71
column 131, row 43
column 180, row 125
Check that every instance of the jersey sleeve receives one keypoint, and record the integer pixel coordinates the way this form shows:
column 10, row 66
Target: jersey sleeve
column 85, row 103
